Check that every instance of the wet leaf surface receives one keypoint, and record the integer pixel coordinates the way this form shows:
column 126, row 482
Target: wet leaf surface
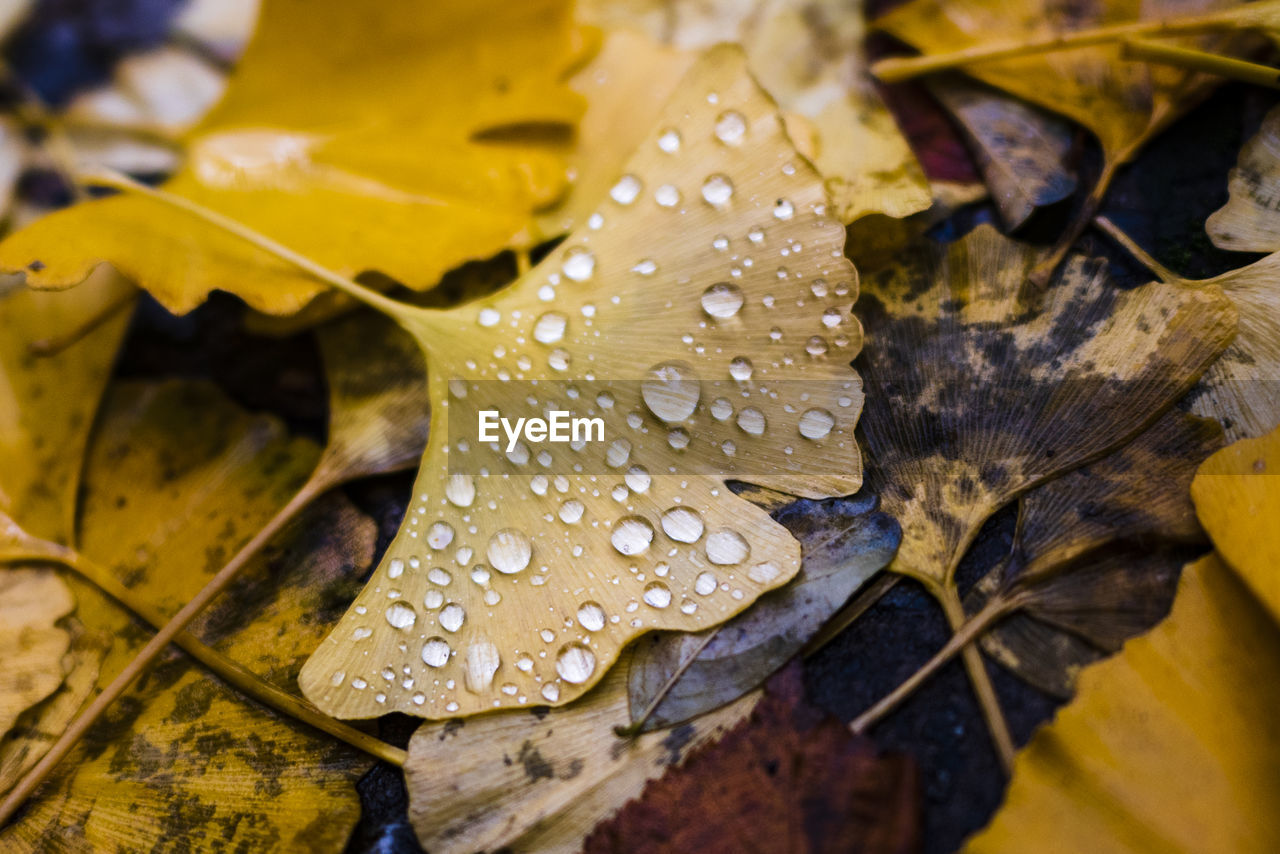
column 843, row 542
column 515, row 580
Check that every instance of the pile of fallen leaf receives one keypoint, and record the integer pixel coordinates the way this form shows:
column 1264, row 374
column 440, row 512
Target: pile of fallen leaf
column 847, row 289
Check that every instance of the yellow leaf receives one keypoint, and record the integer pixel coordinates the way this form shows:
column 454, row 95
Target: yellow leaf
column 516, row 580
column 176, row 478
column 807, row 54
column 358, row 134
column 1169, row 746
column 31, row 645
column 1123, row 102
column 1237, row 497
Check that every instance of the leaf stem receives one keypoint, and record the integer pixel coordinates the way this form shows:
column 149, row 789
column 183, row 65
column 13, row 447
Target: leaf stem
column 897, row 69
column 230, row 671
column 1042, row 273
column 1198, row 60
column 635, row 727
column 1160, row 271
column 395, row 309
column 988, row 700
column 152, row 650
column 994, row 610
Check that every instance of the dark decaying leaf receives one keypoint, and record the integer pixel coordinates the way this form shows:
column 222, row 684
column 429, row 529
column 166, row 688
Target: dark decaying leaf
column 175, row 479
column 789, row 779
column 1021, row 150
column 843, row 542
column 985, row 388
column 1081, row 596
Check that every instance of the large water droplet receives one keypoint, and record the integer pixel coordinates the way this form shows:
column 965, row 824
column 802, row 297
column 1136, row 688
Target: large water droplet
column 550, row 327
column 433, row 599
column 571, row 511
column 575, row 663
column 763, row 573
column 395, row 568
column 831, row 318
column 721, row 409
column 669, row 141
column 731, row 126
column 591, row 616
column 626, row 190
column 816, row 345
column 435, row 652
column 741, row 369
column 751, row 420
column 489, row 316
column 401, row 616
column 551, row 692
column 726, row 547
column 632, row 535
column 717, row 190
column 705, row 584
column 439, row 535
column 509, row 550
column 482, row 662
column 671, row 391
column 452, row 617
column 460, row 490
column 667, row 196
column 438, row 575
column 682, row 524
column 559, row 359
column 637, row 479
column 578, row 264
column 657, row 595
column 816, row 423
column 618, row 453
column 783, row 209
column 722, row 300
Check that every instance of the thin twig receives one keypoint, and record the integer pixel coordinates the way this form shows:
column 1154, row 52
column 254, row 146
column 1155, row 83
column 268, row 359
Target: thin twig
column 988, row 700
column 897, row 69
column 1160, row 271
column 1199, row 60
column 972, row 628
column 636, row 725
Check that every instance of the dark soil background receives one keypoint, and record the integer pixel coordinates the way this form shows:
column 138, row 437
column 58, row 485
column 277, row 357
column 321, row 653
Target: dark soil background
column 1162, row 201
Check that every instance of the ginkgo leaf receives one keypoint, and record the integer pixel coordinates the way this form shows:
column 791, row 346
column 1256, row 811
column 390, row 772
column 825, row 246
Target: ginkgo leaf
column 985, row 388
column 844, row 541
column 1021, row 151
column 1237, row 498
column 1248, row 222
column 540, row 780
column 31, row 644
column 1123, row 102
column 791, row 775
column 1240, row 389
column 323, row 149
column 703, row 315
column 1080, row 593
column 808, row 55
column 175, row 478
column 1170, row 746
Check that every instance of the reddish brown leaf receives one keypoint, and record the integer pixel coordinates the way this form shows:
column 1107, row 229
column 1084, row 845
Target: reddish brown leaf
column 790, row 779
